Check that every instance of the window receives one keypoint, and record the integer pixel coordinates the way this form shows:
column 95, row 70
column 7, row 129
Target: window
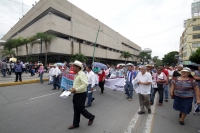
column 185, row 54
column 196, row 45
column 195, row 28
column 196, row 36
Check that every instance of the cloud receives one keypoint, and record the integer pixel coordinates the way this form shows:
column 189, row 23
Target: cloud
column 155, row 24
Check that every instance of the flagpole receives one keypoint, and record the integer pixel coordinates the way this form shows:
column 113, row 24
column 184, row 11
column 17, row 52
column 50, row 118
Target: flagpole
column 95, row 44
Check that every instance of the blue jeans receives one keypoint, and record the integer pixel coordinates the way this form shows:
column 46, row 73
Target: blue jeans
column 41, row 77
column 166, row 91
column 4, row 72
column 89, row 95
column 129, row 89
column 56, row 82
column 198, row 109
column 160, row 91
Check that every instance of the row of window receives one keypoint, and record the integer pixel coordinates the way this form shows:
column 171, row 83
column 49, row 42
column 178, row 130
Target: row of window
column 195, row 28
column 196, row 36
column 196, row 45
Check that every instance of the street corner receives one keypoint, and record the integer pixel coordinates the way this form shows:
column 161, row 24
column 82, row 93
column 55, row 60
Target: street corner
column 23, row 82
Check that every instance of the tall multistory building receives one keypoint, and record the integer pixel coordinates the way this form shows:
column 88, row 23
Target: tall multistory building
column 190, row 38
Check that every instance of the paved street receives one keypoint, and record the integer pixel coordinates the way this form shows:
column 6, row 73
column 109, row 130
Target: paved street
column 35, row 108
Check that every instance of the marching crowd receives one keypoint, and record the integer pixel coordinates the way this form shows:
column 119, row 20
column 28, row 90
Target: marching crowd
column 180, row 82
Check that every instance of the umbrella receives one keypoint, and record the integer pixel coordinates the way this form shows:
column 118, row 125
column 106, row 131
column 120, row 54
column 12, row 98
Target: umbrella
column 193, row 66
column 99, row 65
column 59, row 64
column 121, row 64
column 129, row 64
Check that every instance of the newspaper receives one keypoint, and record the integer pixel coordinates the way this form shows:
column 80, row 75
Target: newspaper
column 135, row 85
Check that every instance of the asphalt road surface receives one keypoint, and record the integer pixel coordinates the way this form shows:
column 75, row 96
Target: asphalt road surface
column 35, row 108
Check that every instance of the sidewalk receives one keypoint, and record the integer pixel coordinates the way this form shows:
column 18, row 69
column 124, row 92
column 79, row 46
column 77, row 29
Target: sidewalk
column 26, row 79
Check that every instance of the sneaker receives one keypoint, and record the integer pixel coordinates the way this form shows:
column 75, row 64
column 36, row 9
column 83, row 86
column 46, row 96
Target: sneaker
column 130, row 99
column 166, row 100
column 127, row 98
column 141, row 112
column 149, row 111
column 160, row 104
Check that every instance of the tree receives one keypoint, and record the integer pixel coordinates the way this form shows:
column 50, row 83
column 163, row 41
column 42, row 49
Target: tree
column 155, row 58
column 158, row 62
column 126, row 55
column 46, row 38
column 169, row 58
column 79, row 57
column 9, row 45
column 7, row 52
column 16, row 43
column 144, row 56
column 25, row 42
column 195, row 57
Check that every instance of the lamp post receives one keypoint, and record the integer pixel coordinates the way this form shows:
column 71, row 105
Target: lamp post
column 95, row 44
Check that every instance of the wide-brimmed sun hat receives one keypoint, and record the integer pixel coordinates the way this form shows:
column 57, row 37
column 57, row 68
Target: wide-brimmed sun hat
column 78, row 63
column 186, row 69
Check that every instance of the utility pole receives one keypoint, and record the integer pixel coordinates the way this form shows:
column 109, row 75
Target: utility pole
column 95, row 44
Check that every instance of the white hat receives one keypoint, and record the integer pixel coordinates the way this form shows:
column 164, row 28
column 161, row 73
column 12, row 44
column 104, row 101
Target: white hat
column 78, row 63
column 186, row 69
column 180, row 65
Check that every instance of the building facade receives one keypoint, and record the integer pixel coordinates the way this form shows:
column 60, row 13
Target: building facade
column 190, row 39
column 76, row 32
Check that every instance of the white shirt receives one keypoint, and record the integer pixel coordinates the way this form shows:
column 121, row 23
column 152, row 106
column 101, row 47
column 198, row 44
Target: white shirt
column 96, row 79
column 91, row 78
column 144, row 89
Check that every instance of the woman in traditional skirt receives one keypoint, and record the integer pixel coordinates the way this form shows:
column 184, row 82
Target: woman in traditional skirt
column 182, row 90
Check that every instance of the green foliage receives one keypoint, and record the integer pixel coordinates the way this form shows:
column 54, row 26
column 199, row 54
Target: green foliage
column 10, row 53
column 144, row 56
column 46, row 38
column 158, row 62
column 195, row 57
column 126, row 55
column 79, row 57
column 169, row 59
column 155, row 58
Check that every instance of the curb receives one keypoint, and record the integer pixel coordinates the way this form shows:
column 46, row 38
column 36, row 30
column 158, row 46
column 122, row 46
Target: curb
column 21, row 83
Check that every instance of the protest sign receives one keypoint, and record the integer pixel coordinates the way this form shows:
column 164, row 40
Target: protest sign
column 67, row 81
column 115, row 84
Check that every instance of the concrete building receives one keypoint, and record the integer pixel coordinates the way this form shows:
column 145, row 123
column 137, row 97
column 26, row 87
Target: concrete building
column 76, row 32
column 190, row 39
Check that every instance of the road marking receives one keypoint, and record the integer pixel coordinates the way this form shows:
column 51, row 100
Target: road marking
column 43, row 96
column 133, row 122
column 148, row 127
column 149, row 121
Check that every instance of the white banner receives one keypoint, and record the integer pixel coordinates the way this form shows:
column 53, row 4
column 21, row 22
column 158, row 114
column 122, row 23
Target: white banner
column 115, row 84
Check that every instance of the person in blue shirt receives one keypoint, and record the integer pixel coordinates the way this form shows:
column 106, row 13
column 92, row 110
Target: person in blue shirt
column 18, row 71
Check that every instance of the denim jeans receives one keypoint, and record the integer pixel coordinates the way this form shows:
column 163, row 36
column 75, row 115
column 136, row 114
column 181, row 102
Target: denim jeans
column 129, row 89
column 198, row 109
column 166, row 91
column 56, row 82
column 89, row 95
column 41, row 77
column 4, row 72
column 160, row 91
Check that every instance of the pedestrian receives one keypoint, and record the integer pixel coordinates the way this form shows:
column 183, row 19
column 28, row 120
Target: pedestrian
column 31, row 67
column 91, row 84
column 12, row 66
column 197, row 78
column 129, row 86
column 51, row 74
column 24, row 67
column 41, row 72
column 4, row 67
column 159, row 78
column 56, row 74
column 166, row 85
column 102, row 77
column 182, row 91
column 144, row 79
column 170, row 71
column 18, row 71
column 8, row 68
column 79, row 98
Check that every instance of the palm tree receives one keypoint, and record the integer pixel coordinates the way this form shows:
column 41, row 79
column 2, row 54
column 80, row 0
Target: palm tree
column 144, row 56
column 7, row 52
column 46, row 38
column 79, row 57
column 126, row 55
column 25, row 42
column 16, row 43
column 9, row 45
column 155, row 58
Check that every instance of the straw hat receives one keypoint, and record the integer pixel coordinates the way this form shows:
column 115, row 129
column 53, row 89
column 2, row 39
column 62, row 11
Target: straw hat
column 78, row 63
column 41, row 64
column 186, row 69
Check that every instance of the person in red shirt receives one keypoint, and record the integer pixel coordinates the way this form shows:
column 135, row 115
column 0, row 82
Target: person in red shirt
column 166, row 85
column 102, row 76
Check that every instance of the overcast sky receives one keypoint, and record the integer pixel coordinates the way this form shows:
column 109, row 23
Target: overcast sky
column 155, row 24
